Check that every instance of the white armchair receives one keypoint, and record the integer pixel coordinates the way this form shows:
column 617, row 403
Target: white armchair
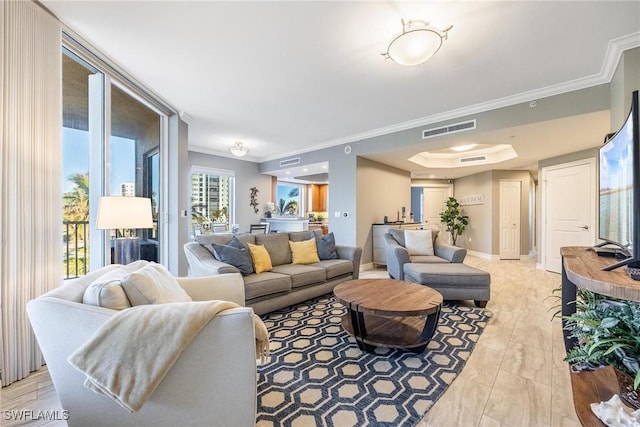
column 213, row 382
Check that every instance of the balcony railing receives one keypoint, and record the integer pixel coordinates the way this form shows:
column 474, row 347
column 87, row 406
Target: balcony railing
column 76, row 248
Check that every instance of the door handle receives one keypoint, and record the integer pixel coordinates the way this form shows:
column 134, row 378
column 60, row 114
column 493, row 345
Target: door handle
column 584, row 227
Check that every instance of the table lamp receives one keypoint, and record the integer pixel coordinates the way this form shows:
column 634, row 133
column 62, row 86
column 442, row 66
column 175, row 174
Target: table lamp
column 122, row 213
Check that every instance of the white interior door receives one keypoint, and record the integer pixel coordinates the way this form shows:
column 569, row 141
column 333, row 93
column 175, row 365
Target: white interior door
column 510, row 194
column 568, row 209
column 435, row 199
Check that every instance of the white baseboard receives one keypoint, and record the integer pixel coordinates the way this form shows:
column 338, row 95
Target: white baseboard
column 493, row 257
column 539, row 266
column 482, row 255
column 367, row 266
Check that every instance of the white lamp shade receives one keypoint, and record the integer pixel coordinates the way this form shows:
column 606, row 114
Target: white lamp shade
column 117, row 212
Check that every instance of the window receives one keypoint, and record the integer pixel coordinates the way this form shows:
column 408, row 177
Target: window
column 122, row 156
column 290, row 199
column 212, row 196
column 76, row 144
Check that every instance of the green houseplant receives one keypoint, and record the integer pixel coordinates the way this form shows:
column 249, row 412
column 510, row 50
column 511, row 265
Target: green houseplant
column 455, row 222
column 607, row 331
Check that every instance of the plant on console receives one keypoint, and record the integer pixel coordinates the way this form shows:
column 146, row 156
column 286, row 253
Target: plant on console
column 608, row 333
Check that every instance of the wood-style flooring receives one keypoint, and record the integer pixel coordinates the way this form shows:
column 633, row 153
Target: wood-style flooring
column 514, row 377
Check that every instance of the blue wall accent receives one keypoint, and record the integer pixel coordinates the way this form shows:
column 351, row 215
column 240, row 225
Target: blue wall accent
column 416, row 203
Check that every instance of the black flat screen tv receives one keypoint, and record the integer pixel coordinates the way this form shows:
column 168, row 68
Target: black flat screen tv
column 619, row 189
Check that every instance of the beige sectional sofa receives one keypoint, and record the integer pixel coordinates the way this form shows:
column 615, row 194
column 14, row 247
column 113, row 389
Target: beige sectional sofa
column 286, row 283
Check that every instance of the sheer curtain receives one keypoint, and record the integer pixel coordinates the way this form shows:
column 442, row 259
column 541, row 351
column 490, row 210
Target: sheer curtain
column 30, row 181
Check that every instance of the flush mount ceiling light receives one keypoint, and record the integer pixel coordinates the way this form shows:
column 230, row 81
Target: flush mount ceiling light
column 416, row 44
column 238, row 150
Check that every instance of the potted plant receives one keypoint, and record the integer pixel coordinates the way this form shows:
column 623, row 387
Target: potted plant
column 607, row 331
column 455, row 222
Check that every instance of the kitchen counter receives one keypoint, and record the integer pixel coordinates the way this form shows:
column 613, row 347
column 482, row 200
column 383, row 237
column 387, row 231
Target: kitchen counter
column 397, row 223
column 287, row 224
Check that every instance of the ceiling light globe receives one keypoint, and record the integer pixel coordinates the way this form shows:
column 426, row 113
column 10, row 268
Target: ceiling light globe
column 414, row 47
column 238, row 149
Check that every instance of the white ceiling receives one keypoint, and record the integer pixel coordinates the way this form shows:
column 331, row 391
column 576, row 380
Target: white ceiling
column 289, row 77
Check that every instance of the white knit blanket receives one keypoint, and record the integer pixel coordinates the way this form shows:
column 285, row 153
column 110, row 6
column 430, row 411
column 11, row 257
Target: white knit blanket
column 129, row 355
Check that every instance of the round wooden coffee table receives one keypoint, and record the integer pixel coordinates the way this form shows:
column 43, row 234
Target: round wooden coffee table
column 389, row 313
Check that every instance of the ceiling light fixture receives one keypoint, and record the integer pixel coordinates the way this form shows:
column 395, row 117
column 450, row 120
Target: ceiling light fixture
column 463, row 147
column 238, row 150
column 416, row 44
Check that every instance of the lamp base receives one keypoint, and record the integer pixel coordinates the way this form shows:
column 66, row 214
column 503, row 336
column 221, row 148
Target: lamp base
column 127, row 250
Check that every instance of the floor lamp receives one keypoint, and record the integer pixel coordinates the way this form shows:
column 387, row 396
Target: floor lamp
column 124, row 214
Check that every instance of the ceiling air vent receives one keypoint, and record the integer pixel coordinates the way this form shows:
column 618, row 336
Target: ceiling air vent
column 289, row 162
column 446, row 130
column 464, row 160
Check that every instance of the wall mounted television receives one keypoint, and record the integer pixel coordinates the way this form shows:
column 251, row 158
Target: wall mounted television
column 619, row 189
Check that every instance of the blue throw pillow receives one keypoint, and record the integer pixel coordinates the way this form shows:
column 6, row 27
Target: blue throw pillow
column 235, row 254
column 326, row 247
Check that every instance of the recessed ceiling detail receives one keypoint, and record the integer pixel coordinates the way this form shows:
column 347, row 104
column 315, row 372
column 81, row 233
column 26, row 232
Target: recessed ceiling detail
column 488, row 155
column 445, row 130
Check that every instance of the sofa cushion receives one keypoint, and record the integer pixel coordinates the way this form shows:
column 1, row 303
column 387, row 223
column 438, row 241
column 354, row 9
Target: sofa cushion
column 304, row 252
column 336, row 267
column 106, row 290
column 236, row 254
column 223, row 239
column 428, row 259
column 449, row 274
column 299, row 236
column 326, row 246
column 418, row 242
column 261, row 258
column 302, row 275
column 153, row 284
column 277, row 245
column 260, row 285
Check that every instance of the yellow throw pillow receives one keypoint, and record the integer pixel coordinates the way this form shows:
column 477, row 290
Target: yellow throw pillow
column 261, row 258
column 304, row 252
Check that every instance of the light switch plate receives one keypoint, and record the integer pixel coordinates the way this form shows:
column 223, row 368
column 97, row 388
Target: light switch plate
column 336, row 214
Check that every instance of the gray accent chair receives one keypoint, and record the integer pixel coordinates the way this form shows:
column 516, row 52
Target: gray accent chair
column 212, row 383
column 398, row 256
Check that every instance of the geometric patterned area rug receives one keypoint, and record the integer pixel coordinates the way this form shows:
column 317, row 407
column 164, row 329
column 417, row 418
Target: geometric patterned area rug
column 317, row 376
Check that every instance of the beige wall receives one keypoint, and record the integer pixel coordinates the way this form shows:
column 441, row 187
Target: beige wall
column 381, row 190
column 483, row 232
column 478, row 234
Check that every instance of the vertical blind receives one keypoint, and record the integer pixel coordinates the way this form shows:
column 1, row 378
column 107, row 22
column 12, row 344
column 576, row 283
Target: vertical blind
column 30, row 168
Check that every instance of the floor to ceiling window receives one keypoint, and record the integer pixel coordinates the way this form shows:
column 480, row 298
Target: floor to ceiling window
column 76, row 170
column 135, row 162
column 122, row 156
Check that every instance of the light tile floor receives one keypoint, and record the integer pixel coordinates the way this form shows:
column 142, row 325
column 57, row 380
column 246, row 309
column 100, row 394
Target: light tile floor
column 515, row 376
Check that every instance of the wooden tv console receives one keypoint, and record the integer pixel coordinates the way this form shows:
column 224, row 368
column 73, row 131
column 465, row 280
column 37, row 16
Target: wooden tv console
column 582, row 268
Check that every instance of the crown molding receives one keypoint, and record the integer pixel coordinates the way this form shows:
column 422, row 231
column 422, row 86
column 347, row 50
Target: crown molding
column 612, row 57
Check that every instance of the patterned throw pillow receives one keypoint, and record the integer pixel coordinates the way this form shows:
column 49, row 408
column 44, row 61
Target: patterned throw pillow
column 304, row 252
column 261, row 258
column 326, row 246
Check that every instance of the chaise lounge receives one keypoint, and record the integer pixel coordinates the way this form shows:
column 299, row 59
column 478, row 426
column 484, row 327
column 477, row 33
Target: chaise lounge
column 439, row 266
